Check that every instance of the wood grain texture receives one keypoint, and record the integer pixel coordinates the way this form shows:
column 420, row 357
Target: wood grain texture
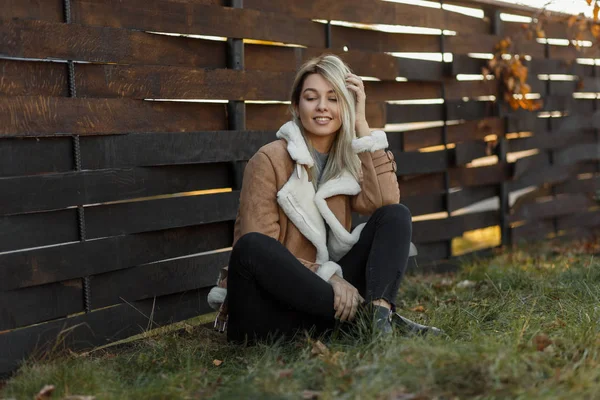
column 46, row 40
column 196, row 18
column 70, row 261
column 48, row 10
column 25, row 78
column 22, row 116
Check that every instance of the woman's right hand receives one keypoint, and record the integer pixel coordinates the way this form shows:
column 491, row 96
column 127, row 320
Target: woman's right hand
column 346, row 298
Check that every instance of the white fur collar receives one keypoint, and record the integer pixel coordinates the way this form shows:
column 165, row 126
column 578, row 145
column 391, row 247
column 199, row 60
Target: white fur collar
column 296, row 146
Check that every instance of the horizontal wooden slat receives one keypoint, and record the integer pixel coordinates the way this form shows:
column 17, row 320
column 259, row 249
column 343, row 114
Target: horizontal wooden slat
column 382, row 91
column 70, row 261
column 374, row 12
column 158, row 279
column 471, row 110
column 138, row 149
column 28, row 156
column 410, row 163
column 377, row 41
column 578, row 153
column 482, row 43
column 24, row 307
column 430, row 252
column 434, row 203
column 24, row 78
column 587, row 185
column 447, row 228
column 397, row 113
column 549, row 140
column 459, row 89
column 32, row 230
column 469, row 195
column 151, row 215
column 100, row 327
column 54, row 191
column 479, row 176
column 157, row 82
column 469, row 130
column 194, row 18
column 36, row 116
column 421, row 184
column 533, row 230
column 463, row 64
column 44, row 40
column 579, row 220
column 465, row 152
column 49, row 10
column 554, row 66
column 541, row 175
column 561, row 205
column 425, row 204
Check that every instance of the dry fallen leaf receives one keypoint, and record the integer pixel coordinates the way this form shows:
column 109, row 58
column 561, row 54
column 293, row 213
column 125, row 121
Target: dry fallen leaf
column 216, row 363
column 77, row 397
column 418, row 309
column 311, row 394
column 319, row 349
column 45, row 393
column 285, row 373
column 541, row 341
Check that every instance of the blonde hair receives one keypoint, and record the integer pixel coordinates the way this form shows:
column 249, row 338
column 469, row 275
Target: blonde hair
column 341, row 156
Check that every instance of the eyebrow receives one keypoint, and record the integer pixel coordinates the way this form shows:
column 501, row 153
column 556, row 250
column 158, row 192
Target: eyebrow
column 315, row 90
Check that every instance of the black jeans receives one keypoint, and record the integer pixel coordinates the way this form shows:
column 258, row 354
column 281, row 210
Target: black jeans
column 270, row 293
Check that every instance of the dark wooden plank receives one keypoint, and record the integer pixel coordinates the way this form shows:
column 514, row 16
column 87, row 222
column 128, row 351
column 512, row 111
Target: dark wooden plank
column 158, row 82
column 382, row 91
column 100, row 327
column 421, row 184
column 25, row 78
column 55, row 191
column 37, row 304
column 471, row 110
column 32, row 230
column 140, row 149
column 448, row 228
column 38, row 116
column 28, row 156
column 541, row 175
column 158, row 279
column 39, row 39
column 469, row 196
column 579, row 220
column 425, row 204
column 379, row 42
column 549, row 140
column 525, row 165
column 49, row 10
column 374, row 12
column 397, row 113
column 479, row 176
column 482, row 43
column 465, row 152
column 421, row 70
column 195, row 18
column 565, row 88
column 469, row 130
column 578, row 153
column 463, row 64
column 430, row 252
column 587, row 185
column 539, row 66
column 533, row 230
column 560, row 205
column 70, row 261
column 456, row 90
column 410, row 163
column 151, row 215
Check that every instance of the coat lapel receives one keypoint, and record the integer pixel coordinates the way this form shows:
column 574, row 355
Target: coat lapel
column 309, row 210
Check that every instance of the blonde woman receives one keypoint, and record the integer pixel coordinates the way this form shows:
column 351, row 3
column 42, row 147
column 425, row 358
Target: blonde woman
column 296, row 264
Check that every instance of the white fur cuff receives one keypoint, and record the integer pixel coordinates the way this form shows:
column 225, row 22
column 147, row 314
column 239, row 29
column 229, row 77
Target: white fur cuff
column 216, row 297
column 376, row 141
column 327, row 269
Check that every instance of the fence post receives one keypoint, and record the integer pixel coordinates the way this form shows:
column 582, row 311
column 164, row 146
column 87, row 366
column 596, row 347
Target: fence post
column 502, row 147
column 87, row 298
column 236, row 109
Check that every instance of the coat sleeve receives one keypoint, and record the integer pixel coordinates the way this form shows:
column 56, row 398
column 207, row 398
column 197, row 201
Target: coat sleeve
column 258, row 210
column 379, row 183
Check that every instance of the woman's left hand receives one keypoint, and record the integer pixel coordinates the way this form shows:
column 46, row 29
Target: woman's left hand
column 355, row 84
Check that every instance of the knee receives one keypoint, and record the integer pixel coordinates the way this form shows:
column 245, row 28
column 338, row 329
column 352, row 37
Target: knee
column 247, row 242
column 398, row 213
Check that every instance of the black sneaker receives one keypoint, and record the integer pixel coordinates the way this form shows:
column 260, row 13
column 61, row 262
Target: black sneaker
column 409, row 327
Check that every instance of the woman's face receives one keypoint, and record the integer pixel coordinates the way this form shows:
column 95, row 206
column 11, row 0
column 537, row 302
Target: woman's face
column 318, row 107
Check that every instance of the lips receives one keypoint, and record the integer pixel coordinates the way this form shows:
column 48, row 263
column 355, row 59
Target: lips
column 322, row 120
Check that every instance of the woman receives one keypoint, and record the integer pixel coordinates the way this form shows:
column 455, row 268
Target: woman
column 296, row 264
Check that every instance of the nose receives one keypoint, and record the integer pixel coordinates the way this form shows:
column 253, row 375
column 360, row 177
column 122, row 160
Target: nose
column 322, row 104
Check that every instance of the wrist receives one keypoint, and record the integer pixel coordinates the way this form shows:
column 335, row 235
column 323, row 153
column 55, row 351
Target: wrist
column 362, row 129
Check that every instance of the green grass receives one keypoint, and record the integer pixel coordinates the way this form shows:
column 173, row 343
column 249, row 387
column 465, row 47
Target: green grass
column 526, row 327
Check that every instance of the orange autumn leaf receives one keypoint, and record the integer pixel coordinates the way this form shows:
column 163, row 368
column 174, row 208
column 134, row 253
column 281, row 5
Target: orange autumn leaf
column 595, row 29
column 572, row 20
column 419, row 308
column 589, row 2
column 596, row 10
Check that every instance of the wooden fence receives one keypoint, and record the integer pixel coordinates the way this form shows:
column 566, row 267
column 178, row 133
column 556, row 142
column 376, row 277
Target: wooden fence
column 114, row 201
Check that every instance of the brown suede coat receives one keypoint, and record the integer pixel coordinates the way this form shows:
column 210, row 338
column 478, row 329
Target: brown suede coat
column 270, row 169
